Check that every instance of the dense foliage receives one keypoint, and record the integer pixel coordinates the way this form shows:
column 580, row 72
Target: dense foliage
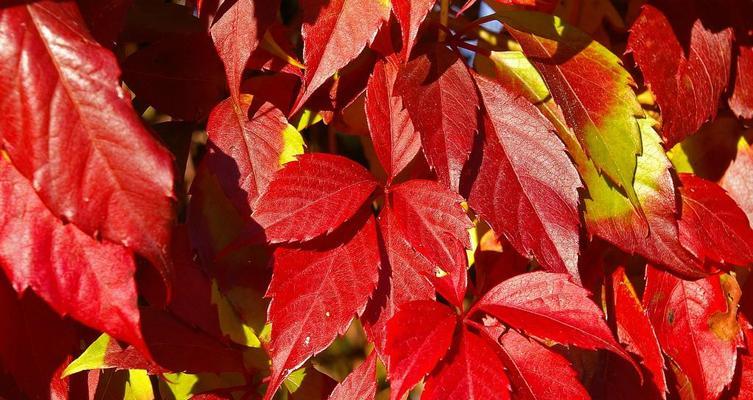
column 256, row 199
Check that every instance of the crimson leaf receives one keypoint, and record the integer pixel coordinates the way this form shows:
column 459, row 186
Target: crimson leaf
column 527, row 187
column 438, row 92
column 417, row 337
column 321, row 189
column 65, row 96
column 316, row 291
column 433, row 222
column 471, row 370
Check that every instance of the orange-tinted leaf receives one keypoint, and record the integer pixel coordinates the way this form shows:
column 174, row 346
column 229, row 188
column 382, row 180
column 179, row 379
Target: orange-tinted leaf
column 682, row 313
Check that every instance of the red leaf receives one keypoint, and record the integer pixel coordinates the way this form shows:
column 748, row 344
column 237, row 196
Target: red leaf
column 685, row 63
column 684, row 314
column 432, row 220
column 66, row 96
column 440, row 96
column 402, row 279
column 550, row 306
column 312, row 196
column 741, row 101
column 395, row 139
column 244, row 151
column 626, row 229
column 360, row 384
column 712, row 226
column 527, row 187
column 34, row 341
column 471, row 370
column 238, row 33
column 174, row 345
column 91, row 281
column 104, row 18
column 334, row 33
column 418, row 336
column 410, row 14
column 635, row 331
column 180, row 76
column 537, row 372
column 315, row 292
column 316, row 385
column 493, row 267
column 738, row 181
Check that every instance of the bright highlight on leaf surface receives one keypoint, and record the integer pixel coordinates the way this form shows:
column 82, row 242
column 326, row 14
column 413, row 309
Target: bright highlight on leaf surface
column 600, row 107
column 316, row 291
column 527, row 187
column 323, row 190
column 61, row 93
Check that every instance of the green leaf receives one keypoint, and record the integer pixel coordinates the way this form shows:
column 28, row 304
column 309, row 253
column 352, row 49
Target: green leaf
column 600, row 105
column 92, row 358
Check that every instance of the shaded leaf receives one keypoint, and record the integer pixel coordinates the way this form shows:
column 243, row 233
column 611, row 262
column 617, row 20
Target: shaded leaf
column 360, row 384
column 685, row 61
column 440, row 97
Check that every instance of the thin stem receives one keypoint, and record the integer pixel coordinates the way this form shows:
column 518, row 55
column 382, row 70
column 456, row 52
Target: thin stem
column 472, row 47
column 444, row 17
column 477, row 22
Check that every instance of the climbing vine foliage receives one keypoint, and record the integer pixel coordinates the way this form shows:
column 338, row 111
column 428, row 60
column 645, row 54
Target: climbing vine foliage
column 376, row 199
